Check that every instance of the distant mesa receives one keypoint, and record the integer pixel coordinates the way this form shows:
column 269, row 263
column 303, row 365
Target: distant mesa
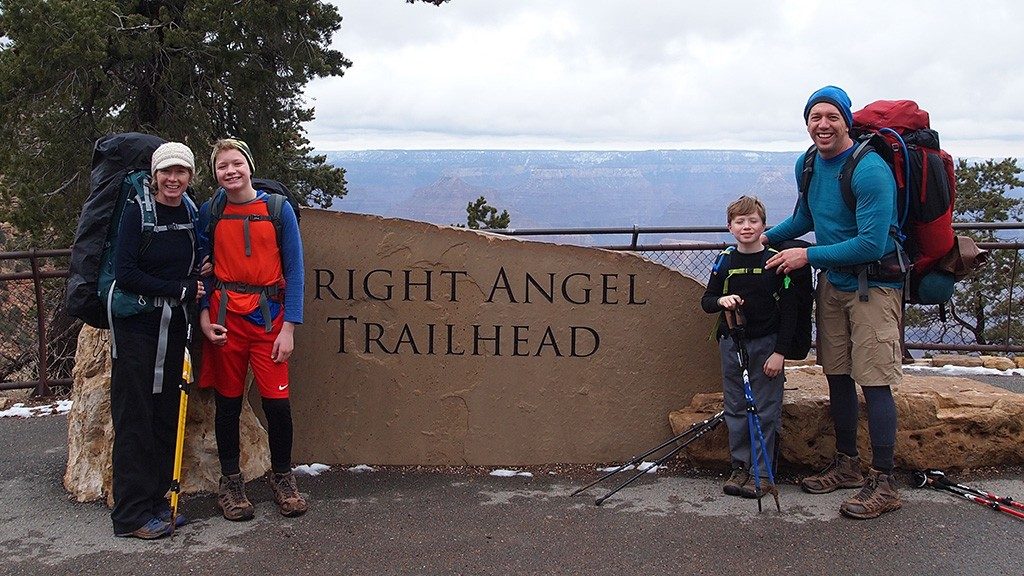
column 557, row 189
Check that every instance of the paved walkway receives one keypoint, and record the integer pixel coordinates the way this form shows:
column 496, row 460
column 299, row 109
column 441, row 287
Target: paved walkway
column 400, row 521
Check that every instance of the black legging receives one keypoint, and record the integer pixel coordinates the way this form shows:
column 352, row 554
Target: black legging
column 881, row 409
column 279, row 424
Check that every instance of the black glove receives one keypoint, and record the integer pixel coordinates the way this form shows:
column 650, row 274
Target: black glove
column 189, row 289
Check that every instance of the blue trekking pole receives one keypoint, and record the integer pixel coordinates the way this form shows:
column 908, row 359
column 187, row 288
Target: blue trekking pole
column 758, row 450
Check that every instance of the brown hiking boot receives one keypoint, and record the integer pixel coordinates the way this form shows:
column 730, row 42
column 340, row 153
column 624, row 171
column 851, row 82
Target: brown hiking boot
column 734, row 485
column 877, row 497
column 286, row 494
column 740, row 483
column 231, row 498
column 843, row 472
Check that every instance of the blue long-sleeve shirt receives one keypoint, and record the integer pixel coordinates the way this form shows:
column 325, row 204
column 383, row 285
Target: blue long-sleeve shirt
column 844, row 238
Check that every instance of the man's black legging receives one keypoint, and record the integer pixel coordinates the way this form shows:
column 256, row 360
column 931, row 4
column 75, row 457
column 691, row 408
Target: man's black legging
column 881, row 409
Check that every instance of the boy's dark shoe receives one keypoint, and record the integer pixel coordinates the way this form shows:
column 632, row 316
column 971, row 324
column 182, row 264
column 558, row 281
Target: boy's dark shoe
column 877, row 497
column 155, row 528
column 741, row 483
column 286, row 494
column 231, row 498
column 843, row 472
column 734, row 485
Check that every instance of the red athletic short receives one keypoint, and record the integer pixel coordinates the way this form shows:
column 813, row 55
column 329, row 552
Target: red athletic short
column 224, row 367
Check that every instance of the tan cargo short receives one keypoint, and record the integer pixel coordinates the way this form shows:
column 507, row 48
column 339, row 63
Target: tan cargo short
column 861, row 339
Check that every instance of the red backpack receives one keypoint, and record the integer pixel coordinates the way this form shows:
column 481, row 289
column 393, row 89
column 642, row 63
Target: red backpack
column 899, row 132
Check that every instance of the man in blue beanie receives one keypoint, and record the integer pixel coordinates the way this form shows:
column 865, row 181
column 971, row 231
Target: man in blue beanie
column 858, row 310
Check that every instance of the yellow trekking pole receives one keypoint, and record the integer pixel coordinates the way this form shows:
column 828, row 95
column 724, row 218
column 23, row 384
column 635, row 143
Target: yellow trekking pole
column 179, row 445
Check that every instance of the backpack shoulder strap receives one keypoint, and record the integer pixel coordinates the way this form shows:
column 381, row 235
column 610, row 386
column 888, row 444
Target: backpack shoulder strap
column 805, row 177
column 217, row 204
column 862, row 149
column 139, row 192
column 845, row 173
column 722, row 257
column 275, row 203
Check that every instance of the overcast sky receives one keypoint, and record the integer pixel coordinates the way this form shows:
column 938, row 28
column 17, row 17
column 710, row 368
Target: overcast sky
column 671, row 74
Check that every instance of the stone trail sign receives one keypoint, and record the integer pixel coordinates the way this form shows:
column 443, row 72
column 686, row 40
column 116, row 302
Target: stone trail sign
column 427, row 344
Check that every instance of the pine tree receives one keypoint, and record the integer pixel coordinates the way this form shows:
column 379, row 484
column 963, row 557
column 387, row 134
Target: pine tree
column 481, row 215
column 190, row 71
column 986, row 304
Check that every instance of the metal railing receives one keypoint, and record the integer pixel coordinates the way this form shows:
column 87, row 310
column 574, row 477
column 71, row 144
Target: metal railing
column 934, row 330
column 38, row 339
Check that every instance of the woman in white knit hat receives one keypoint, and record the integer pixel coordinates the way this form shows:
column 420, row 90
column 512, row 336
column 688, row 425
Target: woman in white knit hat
column 159, row 266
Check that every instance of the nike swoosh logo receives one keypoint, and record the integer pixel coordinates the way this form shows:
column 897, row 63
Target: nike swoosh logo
column 281, row 388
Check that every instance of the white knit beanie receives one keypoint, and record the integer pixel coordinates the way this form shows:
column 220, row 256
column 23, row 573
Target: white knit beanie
column 173, row 154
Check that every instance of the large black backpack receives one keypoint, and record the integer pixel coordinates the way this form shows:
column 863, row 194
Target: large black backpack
column 114, row 158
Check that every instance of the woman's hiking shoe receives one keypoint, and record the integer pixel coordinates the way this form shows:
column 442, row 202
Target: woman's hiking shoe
column 843, row 472
column 155, row 528
column 231, row 498
column 877, row 497
column 286, row 494
column 179, row 520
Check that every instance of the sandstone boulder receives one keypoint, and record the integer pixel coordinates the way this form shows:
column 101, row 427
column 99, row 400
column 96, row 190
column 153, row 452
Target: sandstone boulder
column 90, row 430
column 998, row 362
column 965, row 361
column 944, row 422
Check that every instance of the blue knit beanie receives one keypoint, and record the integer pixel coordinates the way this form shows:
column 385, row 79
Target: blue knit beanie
column 834, row 96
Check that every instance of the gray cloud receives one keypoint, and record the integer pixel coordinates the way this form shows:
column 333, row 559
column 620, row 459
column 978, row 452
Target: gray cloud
column 633, row 75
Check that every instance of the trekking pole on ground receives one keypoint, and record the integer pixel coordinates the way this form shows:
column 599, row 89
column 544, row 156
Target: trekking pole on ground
column 940, row 477
column 179, row 442
column 698, row 430
column 639, row 458
column 758, row 448
column 922, row 479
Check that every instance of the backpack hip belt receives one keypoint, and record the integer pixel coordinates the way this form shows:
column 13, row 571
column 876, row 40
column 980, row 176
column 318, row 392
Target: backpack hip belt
column 265, row 292
column 893, row 267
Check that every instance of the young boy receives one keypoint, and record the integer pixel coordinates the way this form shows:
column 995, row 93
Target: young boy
column 768, row 307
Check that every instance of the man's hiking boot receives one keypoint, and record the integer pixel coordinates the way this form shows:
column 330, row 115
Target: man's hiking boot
column 843, row 472
column 877, row 497
column 286, row 494
column 231, row 498
column 155, row 528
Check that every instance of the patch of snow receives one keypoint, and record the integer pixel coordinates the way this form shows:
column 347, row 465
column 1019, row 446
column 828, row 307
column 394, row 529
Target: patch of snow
column 964, row 370
column 503, row 473
column 310, row 469
column 362, row 468
column 19, row 410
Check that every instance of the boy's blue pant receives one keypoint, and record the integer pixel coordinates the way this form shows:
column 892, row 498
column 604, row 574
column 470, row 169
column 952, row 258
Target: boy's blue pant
column 767, row 396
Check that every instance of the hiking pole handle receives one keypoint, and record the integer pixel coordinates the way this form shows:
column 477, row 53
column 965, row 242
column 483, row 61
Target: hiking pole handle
column 733, row 318
column 936, row 483
column 697, row 428
column 941, row 478
column 712, row 423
